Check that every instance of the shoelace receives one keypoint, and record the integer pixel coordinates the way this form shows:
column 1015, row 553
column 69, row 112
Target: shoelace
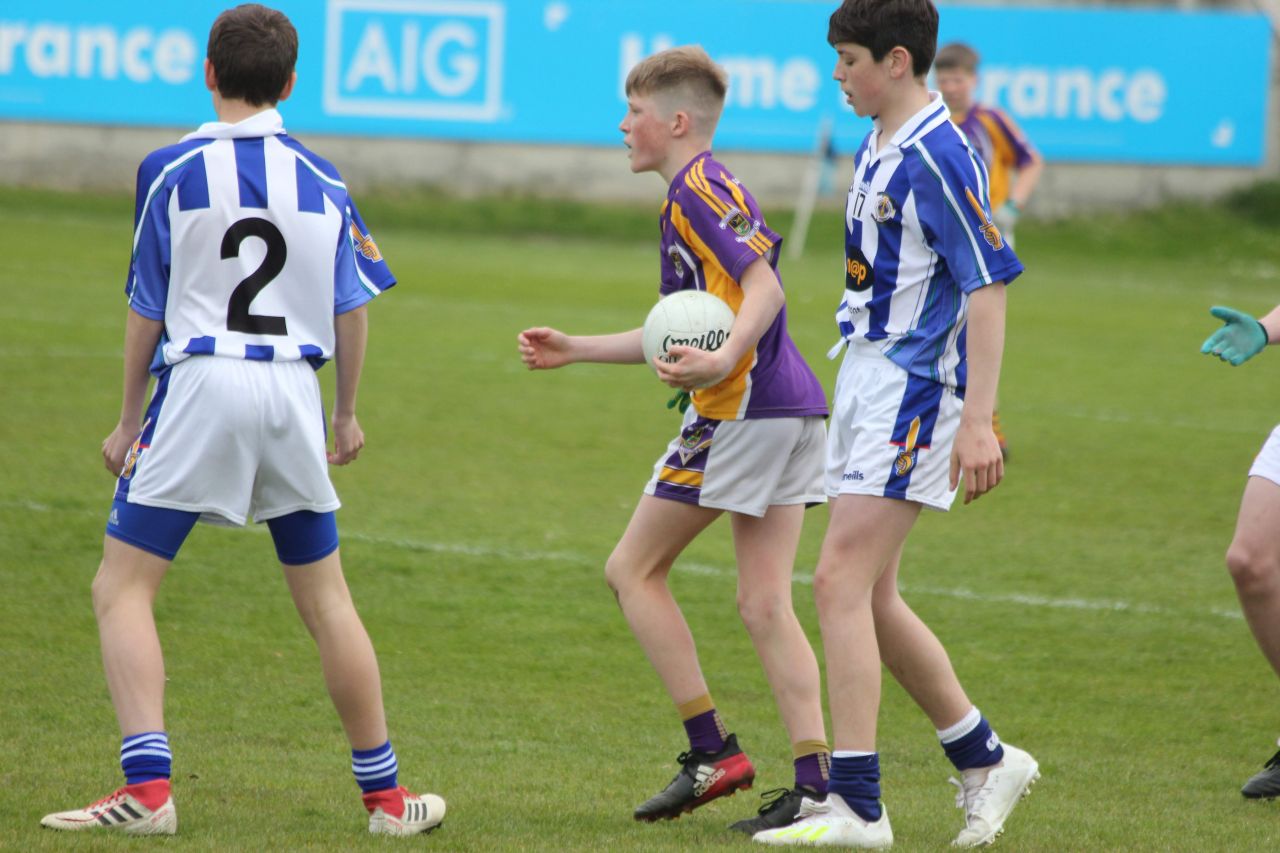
column 971, row 793
column 1274, row 761
column 109, row 800
column 778, row 794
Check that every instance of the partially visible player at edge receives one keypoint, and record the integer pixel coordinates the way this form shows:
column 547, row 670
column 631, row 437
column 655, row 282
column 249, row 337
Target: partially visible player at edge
column 1013, row 164
column 1253, row 557
column 250, row 268
column 751, row 443
column 923, row 321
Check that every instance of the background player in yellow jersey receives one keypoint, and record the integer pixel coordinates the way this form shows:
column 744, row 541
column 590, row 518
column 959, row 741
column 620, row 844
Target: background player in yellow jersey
column 1013, row 164
column 751, row 443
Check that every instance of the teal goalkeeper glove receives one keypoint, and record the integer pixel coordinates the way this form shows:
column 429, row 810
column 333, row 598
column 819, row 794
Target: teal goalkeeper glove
column 1240, row 339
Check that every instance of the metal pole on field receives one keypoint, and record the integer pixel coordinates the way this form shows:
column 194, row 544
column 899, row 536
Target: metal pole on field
column 810, row 188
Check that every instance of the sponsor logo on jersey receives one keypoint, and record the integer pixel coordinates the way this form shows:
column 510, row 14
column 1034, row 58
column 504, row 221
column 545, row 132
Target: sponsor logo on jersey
column 990, row 232
column 364, row 244
column 907, row 456
column 737, row 222
column 857, row 271
column 135, row 450
column 885, row 208
column 676, row 261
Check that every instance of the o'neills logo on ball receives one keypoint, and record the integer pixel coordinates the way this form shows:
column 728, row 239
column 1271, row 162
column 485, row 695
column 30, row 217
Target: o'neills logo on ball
column 710, row 341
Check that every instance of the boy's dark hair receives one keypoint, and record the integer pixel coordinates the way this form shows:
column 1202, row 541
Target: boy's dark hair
column 882, row 25
column 957, row 56
column 253, row 51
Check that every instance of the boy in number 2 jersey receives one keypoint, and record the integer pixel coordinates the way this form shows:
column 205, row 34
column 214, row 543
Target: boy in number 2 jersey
column 250, row 269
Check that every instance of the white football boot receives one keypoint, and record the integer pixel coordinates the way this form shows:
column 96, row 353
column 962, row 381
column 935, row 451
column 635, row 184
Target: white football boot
column 399, row 811
column 122, row 811
column 988, row 795
column 830, row 823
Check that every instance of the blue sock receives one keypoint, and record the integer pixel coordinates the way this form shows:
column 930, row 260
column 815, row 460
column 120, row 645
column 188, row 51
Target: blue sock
column 375, row 769
column 971, row 743
column 856, row 778
column 145, row 757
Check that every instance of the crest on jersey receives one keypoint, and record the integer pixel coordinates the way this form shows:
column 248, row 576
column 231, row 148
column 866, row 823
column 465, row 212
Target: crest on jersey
column 990, row 232
column 364, row 244
column 736, row 221
column 858, row 276
column 885, row 208
column 676, row 261
column 907, row 456
column 131, row 459
column 693, row 444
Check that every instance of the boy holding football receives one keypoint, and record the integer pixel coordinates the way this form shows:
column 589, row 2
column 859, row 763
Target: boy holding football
column 923, row 321
column 250, row 269
column 750, row 445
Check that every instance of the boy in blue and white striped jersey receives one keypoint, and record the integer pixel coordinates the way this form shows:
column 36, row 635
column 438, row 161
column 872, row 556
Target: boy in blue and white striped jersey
column 250, row 269
column 923, row 321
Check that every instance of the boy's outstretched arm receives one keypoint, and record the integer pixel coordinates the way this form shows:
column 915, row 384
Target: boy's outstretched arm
column 542, row 348
column 1241, row 336
column 141, row 335
column 762, row 299
column 976, row 453
column 351, row 333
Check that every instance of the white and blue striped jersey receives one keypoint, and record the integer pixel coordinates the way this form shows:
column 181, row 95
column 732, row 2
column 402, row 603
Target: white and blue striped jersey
column 247, row 245
column 918, row 240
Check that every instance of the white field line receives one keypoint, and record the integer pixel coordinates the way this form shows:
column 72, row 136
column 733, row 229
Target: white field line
column 468, row 549
column 1129, row 418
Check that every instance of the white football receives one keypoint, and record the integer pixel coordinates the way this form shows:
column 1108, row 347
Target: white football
column 692, row 318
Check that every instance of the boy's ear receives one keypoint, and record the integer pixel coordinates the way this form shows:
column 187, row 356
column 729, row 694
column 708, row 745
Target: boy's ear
column 210, row 78
column 288, row 87
column 900, row 62
column 681, row 124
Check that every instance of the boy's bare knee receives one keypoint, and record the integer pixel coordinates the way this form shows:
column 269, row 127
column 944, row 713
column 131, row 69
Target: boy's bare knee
column 1252, row 569
column 825, row 588
column 622, row 572
column 613, row 573
column 760, row 613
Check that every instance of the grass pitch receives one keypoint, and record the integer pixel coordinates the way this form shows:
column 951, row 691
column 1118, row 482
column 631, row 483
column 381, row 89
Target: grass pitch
column 1084, row 602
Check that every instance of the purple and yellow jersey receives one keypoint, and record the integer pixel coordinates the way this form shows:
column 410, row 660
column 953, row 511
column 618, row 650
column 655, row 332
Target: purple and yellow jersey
column 246, row 245
column 712, row 230
column 1001, row 145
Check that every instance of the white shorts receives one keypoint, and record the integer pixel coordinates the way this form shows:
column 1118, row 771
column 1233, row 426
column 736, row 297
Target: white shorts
column 891, row 433
column 1267, row 464
column 742, row 466
column 230, row 439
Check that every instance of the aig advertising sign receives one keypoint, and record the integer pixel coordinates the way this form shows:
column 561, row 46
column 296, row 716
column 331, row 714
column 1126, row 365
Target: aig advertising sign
column 1101, row 86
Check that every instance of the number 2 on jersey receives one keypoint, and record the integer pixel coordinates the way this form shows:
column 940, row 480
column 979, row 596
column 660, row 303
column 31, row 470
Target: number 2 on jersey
column 238, row 317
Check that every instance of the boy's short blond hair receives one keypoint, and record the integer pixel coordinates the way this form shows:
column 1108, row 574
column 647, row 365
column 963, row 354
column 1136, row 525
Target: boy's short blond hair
column 688, row 76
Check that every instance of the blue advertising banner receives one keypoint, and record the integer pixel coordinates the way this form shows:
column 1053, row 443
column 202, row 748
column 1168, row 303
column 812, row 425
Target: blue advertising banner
column 1101, row 86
